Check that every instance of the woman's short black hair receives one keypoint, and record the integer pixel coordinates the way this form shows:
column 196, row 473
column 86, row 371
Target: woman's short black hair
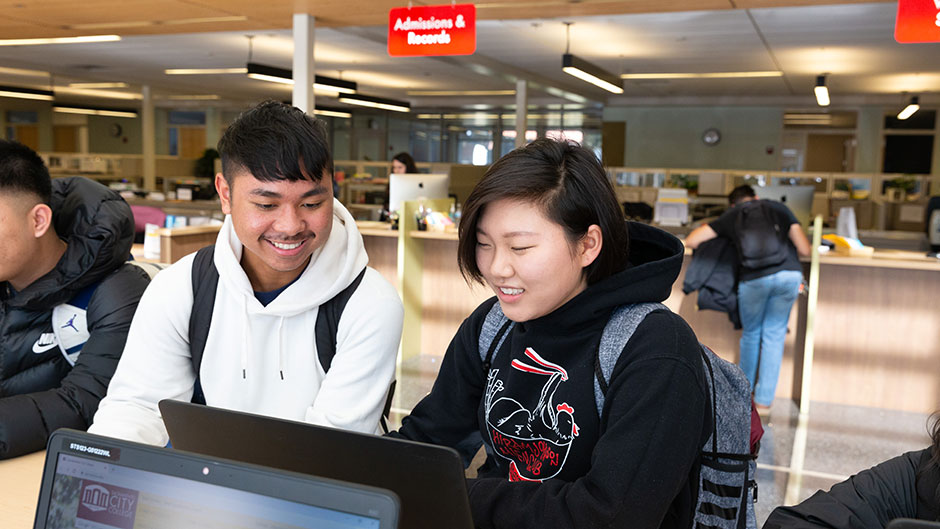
column 275, row 141
column 23, row 171
column 570, row 186
column 407, row 160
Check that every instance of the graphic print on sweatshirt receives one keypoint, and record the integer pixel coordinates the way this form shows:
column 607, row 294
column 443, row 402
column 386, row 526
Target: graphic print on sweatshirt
column 536, row 442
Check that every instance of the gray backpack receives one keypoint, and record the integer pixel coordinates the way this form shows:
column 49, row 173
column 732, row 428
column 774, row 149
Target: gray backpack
column 727, row 490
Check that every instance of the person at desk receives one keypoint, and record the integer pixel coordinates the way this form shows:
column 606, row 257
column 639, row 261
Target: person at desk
column 768, row 238
column 907, row 486
column 287, row 248
column 544, row 231
column 403, row 163
column 67, row 298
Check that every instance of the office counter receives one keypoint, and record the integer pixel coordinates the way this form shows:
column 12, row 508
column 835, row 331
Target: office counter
column 877, row 333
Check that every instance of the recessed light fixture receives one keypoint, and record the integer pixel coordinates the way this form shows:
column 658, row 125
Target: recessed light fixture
column 98, row 85
column 194, row 97
column 91, row 92
column 94, row 111
column 910, row 109
column 461, row 92
column 331, row 113
column 60, row 40
column 23, row 72
column 204, row 71
column 144, row 23
column 375, row 102
column 26, row 93
column 702, row 75
column 822, row 92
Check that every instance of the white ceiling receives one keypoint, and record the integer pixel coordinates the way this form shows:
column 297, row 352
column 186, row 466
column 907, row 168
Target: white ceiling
column 854, row 43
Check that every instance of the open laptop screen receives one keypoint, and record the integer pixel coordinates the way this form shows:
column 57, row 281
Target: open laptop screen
column 95, row 492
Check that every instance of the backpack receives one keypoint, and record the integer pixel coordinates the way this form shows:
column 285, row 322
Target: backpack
column 205, row 279
column 761, row 240
column 727, row 489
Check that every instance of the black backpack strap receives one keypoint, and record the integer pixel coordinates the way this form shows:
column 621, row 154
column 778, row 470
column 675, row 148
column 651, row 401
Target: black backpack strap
column 205, row 282
column 328, row 321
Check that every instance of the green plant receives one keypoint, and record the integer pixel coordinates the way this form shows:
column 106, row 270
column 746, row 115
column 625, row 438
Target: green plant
column 905, row 183
column 205, row 165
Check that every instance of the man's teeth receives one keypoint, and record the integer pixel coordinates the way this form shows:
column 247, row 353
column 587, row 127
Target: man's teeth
column 511, row 291
column 284, row 246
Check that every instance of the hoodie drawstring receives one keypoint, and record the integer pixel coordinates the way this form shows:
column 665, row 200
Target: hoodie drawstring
column 280, row 346
column 246, row 338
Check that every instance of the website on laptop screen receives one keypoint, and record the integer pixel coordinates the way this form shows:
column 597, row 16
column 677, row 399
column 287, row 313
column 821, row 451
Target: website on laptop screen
column 94, row 494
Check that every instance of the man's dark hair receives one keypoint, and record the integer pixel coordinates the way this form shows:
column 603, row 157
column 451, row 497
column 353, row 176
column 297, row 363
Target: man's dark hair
column 23, row 171
column 275, row 141
column 740, row 193
column 570, row 186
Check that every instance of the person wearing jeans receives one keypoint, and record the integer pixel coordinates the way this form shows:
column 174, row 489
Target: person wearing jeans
column 766, row 292
column 764, row 306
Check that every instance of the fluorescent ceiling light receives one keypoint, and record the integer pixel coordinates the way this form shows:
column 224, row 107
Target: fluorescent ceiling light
column 20, row 71
column 25, row 93
column 91, row 111
column 98, row 85
column 461, row 92
column 590, row 73
column 375, row 102
column 194, row 97
column 60, row 40
column 910, row 109
column 702, row 75
column 331, row 113
column 143, row 23
column 204, row 71
column 822, row 93
column 107, row 94
column 273, row 74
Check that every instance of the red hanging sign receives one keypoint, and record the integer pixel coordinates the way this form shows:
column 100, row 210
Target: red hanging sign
column 432, row 30
column 918, row 21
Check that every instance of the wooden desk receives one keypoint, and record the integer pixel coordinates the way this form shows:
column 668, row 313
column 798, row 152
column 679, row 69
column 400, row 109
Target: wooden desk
column 19, row 490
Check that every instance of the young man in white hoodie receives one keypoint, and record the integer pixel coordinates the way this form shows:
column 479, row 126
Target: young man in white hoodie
column 286, row 247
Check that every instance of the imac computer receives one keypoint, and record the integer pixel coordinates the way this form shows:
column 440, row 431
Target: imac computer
column 799, row 199
column 415, row 186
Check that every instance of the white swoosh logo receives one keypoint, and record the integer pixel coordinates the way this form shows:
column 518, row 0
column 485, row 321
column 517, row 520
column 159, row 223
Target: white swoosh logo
column 44, row 343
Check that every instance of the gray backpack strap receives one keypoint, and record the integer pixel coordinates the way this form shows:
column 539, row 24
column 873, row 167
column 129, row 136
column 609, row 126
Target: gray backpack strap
column 618, row 331
column 496, row 327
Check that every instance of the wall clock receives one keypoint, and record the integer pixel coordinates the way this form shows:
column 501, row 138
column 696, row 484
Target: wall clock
column 711, row 137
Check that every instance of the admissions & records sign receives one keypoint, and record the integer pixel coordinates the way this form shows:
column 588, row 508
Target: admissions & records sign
column 918, row 21
column 432, row 30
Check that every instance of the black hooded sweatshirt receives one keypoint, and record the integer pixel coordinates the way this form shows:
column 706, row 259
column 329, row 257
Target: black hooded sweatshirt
column 39, row 390
column 552, row 461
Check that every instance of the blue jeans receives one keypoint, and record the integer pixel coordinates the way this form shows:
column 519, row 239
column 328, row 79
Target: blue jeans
column 764, row 305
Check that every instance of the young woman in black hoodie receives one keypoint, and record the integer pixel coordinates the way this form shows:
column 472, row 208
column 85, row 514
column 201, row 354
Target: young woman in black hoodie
column 544, row 231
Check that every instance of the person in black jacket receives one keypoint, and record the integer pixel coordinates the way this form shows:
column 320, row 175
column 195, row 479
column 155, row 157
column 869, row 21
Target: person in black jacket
column 66, row 298
column 907, row 486
column 544, row 231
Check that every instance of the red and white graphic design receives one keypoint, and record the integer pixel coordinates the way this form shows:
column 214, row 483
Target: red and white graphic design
column 918, row 21
column 107, row 505
column 449, row 29
column 536, row 443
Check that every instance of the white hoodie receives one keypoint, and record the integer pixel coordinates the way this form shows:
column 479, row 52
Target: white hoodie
column 260, row 359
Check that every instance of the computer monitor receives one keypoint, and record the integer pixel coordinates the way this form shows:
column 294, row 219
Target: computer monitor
column 416, row 186
column 799, row 199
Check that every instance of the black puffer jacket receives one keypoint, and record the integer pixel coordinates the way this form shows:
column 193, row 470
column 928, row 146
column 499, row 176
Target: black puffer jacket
column 40, row 392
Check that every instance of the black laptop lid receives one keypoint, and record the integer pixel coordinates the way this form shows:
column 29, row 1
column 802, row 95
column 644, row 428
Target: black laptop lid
column 429, row 480
column 94, row 482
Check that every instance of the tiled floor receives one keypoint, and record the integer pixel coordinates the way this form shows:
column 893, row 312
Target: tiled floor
column 839, row 440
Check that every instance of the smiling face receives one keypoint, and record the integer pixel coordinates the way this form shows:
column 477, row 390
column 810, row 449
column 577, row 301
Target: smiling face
column 280, row 223
column 528, row 260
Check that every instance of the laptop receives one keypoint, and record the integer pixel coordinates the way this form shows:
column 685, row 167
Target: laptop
column 94, row 482
column 429, row 480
